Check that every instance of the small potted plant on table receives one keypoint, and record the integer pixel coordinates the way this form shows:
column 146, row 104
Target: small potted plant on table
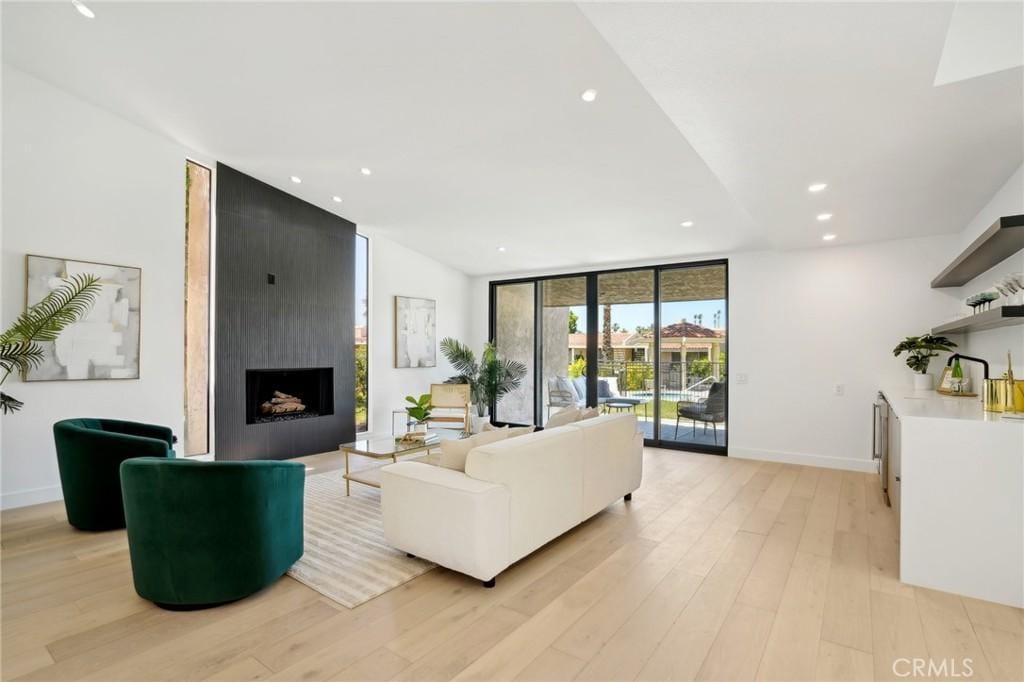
column 920, row 350
column 419, row 411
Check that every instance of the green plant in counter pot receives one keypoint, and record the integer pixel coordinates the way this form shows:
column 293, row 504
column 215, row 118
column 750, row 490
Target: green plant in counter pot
column 44, row 321
column 489, row 380
column 921, row 349
column 421, row 407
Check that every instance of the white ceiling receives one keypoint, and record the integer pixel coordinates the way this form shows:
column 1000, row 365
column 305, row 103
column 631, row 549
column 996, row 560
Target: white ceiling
column 777, row 96
column 469, row 116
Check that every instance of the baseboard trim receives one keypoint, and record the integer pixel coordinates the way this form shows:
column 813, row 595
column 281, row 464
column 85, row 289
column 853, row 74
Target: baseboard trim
column 868, row 466
column 26, row 498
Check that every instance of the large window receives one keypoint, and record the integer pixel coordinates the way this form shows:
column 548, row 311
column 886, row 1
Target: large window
column 651, row 341
column 198, row 185
column 362, row 330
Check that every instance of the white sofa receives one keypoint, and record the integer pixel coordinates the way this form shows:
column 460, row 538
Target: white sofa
column 515, row 496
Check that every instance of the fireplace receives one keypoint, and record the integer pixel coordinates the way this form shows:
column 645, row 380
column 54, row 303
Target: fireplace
column 274, row 395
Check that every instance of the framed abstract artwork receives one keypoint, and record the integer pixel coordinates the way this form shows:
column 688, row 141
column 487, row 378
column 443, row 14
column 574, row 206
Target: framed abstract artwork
column 105, row 343
column 415, row 332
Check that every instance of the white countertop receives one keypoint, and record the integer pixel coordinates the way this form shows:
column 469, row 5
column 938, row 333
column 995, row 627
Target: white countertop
column 908, row 403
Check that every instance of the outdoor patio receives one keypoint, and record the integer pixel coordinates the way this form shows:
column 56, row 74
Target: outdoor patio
column 686, row 435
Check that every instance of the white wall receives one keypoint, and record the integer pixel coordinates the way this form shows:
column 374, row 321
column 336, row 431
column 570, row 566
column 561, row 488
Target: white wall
column 81, row 183
column 398, row 271
column 992, row 344
column 802, row 322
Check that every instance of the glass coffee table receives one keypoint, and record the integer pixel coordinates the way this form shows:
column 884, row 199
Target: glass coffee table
column 387, row 448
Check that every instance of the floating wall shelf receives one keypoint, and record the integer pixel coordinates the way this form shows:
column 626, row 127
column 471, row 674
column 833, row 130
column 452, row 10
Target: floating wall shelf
column 1000, row 241
column 990, row 319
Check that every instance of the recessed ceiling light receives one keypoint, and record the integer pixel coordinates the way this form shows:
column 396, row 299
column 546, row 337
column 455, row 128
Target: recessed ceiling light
column 824, row 216
column 687, row 223
column 817, row 187
column 828, row 237
column 366, row 171
column 589, row 95
column 83, row 10
column 337, row 200
column 296, row 180
column 501, row 249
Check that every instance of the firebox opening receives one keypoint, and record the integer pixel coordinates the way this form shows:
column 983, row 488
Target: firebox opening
column 286, row 394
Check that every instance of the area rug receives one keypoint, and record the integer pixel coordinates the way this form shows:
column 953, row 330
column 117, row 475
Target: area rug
column 346, row 557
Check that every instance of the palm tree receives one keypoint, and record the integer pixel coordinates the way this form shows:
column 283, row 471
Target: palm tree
column 44, row 321
column 490, row 379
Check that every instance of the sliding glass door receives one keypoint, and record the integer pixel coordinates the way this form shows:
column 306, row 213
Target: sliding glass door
column 650, row 341
column 692, row 338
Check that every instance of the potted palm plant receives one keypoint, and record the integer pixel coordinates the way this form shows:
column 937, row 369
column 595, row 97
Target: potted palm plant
column 489, row 379
column 920, row 350
column 19, row 345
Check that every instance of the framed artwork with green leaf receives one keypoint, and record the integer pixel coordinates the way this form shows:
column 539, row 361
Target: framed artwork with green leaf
column 103, row 342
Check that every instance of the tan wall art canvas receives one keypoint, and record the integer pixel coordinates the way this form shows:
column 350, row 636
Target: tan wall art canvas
column 105, row 343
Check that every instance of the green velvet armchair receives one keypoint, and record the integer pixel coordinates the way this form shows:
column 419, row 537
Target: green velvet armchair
column 206, row 533
column 89, row 456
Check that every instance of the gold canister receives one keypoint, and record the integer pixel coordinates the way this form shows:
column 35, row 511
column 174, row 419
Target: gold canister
column 1018, row 395
column 994, row 399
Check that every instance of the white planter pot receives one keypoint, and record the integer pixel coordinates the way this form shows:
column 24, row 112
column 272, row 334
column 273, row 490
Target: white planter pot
column 922, row 382
column 476, row 424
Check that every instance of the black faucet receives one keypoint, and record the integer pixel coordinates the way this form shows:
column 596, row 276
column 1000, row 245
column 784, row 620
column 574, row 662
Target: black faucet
column 954, row 356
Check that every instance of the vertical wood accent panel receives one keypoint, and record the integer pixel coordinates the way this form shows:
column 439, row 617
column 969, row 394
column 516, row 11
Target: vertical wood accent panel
column 197, row 309
column 304, row 319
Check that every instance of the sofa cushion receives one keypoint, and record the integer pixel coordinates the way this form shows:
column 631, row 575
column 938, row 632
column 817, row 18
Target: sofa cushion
column 590, row 413
column 513, row 431
column 604, row 389
column 566, row 415
column 453, row 452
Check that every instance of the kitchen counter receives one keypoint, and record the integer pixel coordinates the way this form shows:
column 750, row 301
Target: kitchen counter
column 908, row 403
column 959, row 495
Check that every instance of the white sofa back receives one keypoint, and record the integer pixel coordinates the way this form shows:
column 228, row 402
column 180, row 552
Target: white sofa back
column 543, row 472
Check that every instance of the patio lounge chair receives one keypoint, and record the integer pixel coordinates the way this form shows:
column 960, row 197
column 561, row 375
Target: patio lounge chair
column 711, row 410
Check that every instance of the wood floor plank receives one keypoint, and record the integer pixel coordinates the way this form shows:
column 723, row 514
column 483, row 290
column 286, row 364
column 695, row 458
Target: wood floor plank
column 551, row 666
column 838, row 663
column 737, row 650
column 508, row 658
column 852, row 516
column 764, row 585
column 948, row 631
column 446, row 661
column 625, row 653
column 792, row 649
column 1004, row 652
column 897, row 634
column 847, row 616
column 380, row 664
column 681, row 652
column 244, row 670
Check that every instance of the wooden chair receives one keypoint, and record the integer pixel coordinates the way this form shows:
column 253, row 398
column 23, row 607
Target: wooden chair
column 454, row 400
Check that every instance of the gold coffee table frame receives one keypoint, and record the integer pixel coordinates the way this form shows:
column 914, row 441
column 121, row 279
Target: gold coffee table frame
column 387, row 448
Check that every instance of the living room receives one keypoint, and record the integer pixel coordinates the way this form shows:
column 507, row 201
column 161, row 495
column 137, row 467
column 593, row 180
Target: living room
column 493, row 341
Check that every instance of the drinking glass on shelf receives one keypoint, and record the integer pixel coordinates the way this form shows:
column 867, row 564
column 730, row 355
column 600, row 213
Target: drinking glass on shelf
column 1016, row 280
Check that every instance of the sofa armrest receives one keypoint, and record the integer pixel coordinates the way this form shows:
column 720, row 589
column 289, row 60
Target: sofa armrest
column 446, row 517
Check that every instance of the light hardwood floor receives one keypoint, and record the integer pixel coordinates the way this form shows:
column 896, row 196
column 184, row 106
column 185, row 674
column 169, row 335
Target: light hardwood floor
column 719, row 569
